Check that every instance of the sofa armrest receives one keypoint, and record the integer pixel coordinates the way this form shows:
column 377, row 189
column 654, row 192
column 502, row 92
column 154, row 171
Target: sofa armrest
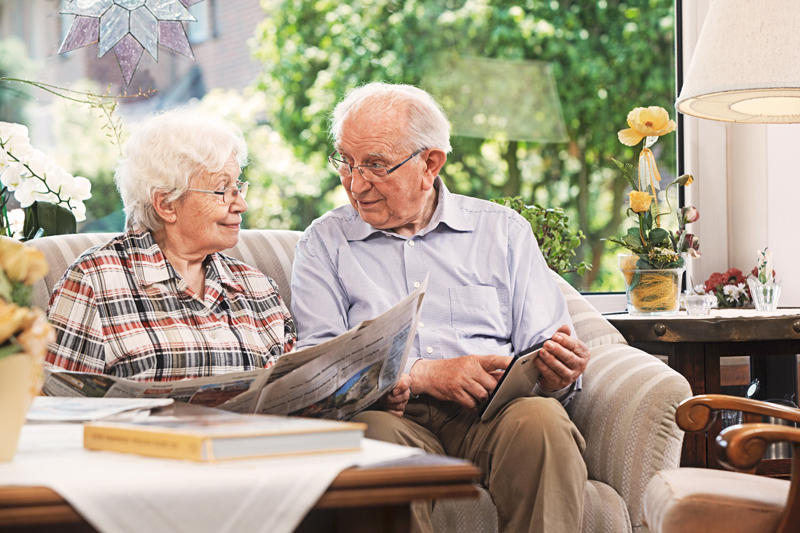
column 626, row 413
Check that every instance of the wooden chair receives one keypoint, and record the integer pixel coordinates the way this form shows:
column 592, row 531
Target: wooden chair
column 695, row 499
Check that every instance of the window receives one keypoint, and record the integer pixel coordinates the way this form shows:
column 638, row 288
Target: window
column 495, row 66
column 202, row 30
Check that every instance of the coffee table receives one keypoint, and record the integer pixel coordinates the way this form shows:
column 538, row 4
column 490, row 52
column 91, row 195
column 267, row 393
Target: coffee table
column 361, row 499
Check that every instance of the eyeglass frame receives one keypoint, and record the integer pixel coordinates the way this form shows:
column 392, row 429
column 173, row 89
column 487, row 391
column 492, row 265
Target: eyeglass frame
column 338, row 162
column 241, row 187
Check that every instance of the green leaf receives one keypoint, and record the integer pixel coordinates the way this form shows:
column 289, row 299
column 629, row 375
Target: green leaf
column 658, row 235
column 9, row 348
column 51, row 219
column 628, row 171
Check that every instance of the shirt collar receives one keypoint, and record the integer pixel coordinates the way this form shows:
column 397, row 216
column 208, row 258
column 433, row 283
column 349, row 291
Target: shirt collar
column 150, row 266
column 447, row 212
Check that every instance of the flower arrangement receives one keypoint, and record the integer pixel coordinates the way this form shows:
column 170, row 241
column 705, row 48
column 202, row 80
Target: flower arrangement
column 729, row 288
column 652, row 246
column 732, row 288
column 24, row 334
column 21, row 328
column 52, row 198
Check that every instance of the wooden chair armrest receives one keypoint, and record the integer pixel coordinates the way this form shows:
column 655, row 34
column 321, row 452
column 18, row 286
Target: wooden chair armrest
column 699, row 412
column 742, row 447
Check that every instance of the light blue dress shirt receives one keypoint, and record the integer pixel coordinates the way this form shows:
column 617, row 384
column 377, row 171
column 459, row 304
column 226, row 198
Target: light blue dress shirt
column 489, row 291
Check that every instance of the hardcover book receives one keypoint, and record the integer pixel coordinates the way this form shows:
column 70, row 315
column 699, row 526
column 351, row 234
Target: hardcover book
column 221, row 437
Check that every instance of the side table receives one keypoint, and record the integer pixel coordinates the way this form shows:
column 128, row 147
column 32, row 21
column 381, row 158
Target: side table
column 694, row 345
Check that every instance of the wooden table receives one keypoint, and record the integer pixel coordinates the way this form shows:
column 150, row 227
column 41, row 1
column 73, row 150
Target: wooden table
column 694, row 346
column 361, row 499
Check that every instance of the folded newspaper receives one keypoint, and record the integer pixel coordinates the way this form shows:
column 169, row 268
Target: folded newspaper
column 336, row 379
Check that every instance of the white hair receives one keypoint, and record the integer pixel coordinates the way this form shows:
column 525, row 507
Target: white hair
column 164, row 152
column 427, row 125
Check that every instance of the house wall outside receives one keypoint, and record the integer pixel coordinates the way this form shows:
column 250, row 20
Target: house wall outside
column 224, row 59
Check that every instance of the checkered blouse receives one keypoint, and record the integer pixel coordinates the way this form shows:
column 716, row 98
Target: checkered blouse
column 123, row 310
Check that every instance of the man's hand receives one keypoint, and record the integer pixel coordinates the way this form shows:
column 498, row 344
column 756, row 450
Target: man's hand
column 395, row 401
column 466, row 380
column 562, row 360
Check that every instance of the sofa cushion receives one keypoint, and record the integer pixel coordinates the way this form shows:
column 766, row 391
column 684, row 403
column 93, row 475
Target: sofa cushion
column 694, row 500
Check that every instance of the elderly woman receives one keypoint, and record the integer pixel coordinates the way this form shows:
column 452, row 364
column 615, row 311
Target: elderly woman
column 161, row 302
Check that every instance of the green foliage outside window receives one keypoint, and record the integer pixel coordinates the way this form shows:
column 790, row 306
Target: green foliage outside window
column 606, row 56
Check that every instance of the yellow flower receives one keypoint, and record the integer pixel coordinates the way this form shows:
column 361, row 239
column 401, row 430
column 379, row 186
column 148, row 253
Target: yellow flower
column 639, row 201
column 13, row 258
column 36, row 333
column 21, row 263
column 12, row 318
column 644, row 122
column 37, row 266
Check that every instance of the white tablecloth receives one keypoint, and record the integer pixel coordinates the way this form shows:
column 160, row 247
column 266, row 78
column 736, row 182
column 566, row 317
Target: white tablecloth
column 713, row 314
column 127, row 493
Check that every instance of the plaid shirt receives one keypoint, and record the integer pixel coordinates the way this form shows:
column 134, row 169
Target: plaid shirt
column 123, row 310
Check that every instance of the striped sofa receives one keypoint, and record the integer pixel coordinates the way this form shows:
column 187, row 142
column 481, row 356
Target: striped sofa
column 625, row 412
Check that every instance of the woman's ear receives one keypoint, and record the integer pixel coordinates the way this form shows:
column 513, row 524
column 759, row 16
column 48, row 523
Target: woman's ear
column 434, row 160
column 164, row 208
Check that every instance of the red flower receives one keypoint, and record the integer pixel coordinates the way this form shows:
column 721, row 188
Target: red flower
column 733, row 277
column 716, row 279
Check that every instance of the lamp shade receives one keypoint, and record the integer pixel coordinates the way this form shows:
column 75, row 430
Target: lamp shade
column 746, row 66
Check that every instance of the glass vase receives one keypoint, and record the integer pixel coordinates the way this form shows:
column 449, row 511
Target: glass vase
column 650, row 291
column 765, row 297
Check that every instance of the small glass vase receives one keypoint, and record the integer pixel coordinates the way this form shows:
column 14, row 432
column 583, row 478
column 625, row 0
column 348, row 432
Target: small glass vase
column 765, row 297
column 650, row 291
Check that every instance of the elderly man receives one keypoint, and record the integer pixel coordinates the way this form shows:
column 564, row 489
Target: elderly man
column 489, row 295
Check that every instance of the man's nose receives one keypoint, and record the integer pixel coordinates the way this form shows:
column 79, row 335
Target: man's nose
column 358, row 183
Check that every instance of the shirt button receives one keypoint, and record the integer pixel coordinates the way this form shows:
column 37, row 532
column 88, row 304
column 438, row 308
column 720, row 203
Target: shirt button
column 421, row 325
column 411, row 243
column 213, row 334
column 429, row 350
column 416, row 284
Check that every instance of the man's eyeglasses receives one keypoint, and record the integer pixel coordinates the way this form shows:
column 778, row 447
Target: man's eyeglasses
column 229, row 194
column 370, row 173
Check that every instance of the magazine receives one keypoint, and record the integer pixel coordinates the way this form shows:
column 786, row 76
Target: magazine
column 336, row 379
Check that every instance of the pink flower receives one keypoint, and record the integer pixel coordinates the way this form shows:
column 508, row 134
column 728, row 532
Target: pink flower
column 689, row 214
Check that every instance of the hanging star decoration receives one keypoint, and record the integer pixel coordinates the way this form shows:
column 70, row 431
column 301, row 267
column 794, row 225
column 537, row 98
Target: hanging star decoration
column 129, row 27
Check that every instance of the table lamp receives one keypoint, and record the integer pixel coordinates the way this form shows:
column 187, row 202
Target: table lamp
column 746, row 65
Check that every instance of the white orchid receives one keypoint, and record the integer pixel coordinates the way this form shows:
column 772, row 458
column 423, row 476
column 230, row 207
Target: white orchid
column 15, row 142
column 83, row 189
column 79, row 210
column 34, row 176
column 11, row 176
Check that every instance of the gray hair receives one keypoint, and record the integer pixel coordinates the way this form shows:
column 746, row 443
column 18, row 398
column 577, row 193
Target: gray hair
column 164, row 152
column 427, row 125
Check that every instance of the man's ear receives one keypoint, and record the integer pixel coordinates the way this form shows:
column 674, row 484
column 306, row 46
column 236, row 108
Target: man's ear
column 434, row 161
column 164, row 208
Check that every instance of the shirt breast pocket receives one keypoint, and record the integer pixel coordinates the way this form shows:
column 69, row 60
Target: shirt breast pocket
column 479, row 311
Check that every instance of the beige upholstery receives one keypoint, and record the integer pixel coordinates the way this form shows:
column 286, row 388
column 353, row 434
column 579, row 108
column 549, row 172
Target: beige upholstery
column 625, row 412
column 693, row 500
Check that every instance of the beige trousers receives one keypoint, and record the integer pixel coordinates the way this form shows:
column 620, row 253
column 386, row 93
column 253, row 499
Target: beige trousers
column 529, row 455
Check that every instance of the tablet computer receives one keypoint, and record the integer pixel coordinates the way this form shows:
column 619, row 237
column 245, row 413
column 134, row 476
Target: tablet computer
column 517, row 381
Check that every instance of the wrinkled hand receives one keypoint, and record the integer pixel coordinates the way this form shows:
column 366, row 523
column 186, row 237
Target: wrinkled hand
column 562, row 360
column 466, row 380
column 395, row 401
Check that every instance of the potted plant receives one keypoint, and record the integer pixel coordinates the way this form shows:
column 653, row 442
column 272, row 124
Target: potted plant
column 24, row 333
column 654, row 267
column 551, row 229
